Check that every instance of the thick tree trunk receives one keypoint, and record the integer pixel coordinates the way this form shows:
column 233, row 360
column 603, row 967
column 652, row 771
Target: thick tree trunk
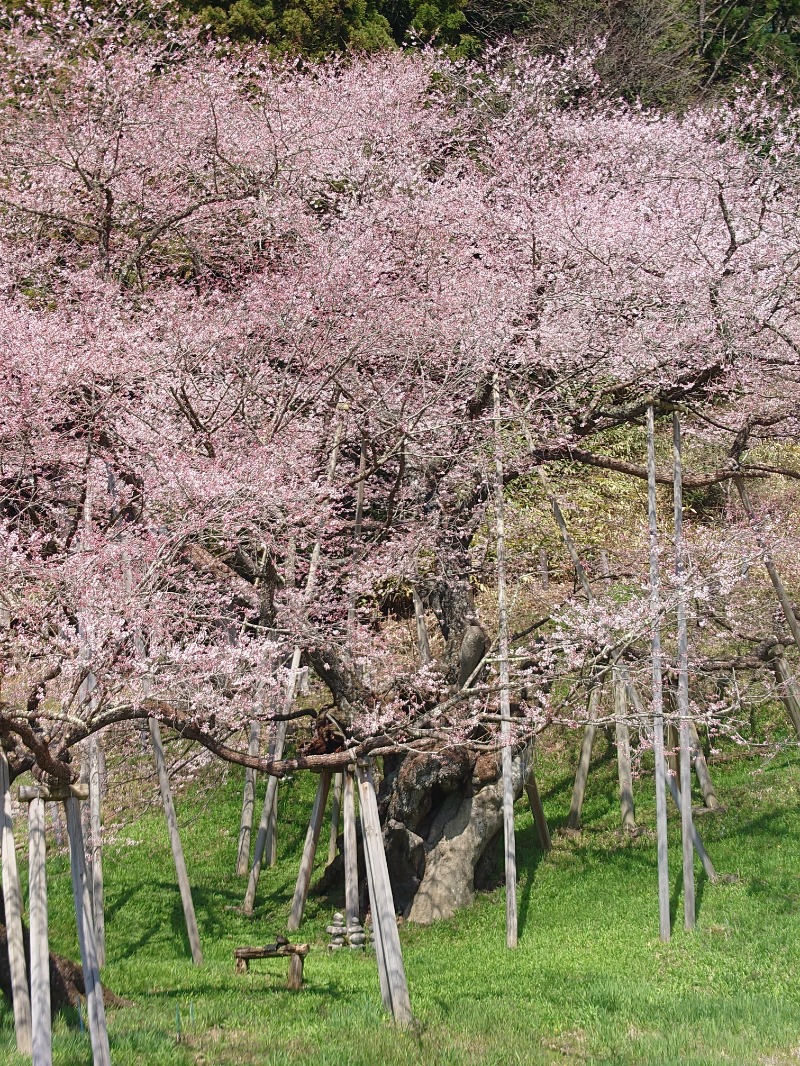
column 440, row 813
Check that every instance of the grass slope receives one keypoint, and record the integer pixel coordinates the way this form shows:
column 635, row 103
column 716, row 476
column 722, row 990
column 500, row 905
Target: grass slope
column 590, row 981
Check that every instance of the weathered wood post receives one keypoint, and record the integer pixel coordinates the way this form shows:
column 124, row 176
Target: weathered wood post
column 683, row 687
column 657, row 690
column 505, row 707
column 783, row 598
column 175, row 843
column 535, row 800
column 350, row 851
column 42, row 1039
column 309, row 851
column 584, row 759
column 384, row 920
column 98, row 1032
column 336, row 809
column 423, row 644
column 623, row 754
column 544, row 575
column 248, row 804
column 96, row 842
column 12, row 901
column 788, row 690
column 701, row 769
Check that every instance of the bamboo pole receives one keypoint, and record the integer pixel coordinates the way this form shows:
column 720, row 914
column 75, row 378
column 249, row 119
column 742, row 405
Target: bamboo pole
column 623, row 755
column 309, row 851
column 248, row 804
column 384, row 920
column 350, row 851
column 12, row 901
column 336, row 809
column 657, row 690
column 98, row 1032
column 584, row 759
column 683, row 687
column 175, row 843
column 42, row 1039
column 96, row 841
column 505, row 706
column 267, row 811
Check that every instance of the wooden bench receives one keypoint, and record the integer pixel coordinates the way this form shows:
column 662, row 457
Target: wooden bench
column 296, row 954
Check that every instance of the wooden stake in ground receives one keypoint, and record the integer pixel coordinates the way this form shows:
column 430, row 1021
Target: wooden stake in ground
column 309, row 851
column 175, row 843
column 789, row 692
column 683, row 688
column 96, row 840
column 350, row 851
column 336, row 807
column 384, row 920
column 98, row 1032
column 623, row 754
column 701, row 769
column 535, row 800
column 12, row 900
column 769, row 563
column 584, row 759
column 42, row 1040
column 505, row 707
column 544, row 576
column 248, row 804
column 657, row 691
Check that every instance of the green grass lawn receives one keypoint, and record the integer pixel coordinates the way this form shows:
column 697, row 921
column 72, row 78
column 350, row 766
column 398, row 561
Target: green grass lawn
column 590, row 981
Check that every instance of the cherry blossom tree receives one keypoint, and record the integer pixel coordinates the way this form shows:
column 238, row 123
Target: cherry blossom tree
column 251, row 318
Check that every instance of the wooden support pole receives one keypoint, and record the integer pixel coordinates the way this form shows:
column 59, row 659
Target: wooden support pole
column 584, row 759
column 783, row 597
column 535, row 800
column 789, row 691
column 384, row 920
column 544, row 575
column 98, row 1033
column 266, row 824
column 664, row 924
column 12, row 901
column 58, row 825
column 505, row 707
column 683, row 687
column 697, row 841
column 701, row 769
column 350, row 851
column 336, row 808
column 423, row 644
column 96, row 841
column 623, row 755
column 309, row 851
column 248, row 804
column 42, row 1038
column 175, row 843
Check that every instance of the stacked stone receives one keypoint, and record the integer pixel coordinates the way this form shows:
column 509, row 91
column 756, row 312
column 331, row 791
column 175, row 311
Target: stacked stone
column 338, row 933
column 354, row 936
